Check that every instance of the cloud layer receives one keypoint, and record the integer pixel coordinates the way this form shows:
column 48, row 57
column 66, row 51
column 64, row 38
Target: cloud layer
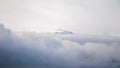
column 33, row 50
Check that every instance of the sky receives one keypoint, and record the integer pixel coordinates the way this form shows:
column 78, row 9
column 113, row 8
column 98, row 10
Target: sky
column 80, row 16
column 88, row 36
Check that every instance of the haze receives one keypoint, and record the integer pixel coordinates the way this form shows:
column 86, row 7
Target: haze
column 81, row 16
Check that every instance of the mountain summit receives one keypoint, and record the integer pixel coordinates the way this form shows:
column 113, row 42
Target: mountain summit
column 63, row 32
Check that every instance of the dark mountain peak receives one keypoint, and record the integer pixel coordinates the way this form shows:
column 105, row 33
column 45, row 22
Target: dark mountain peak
column 63, row 32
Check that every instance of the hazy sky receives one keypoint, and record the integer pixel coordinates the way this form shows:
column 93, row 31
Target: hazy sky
column 82, row 16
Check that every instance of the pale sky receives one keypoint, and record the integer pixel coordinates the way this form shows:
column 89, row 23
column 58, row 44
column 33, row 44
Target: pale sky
column 82, row 16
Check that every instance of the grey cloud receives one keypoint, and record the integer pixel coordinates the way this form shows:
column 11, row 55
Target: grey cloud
column 32, row 50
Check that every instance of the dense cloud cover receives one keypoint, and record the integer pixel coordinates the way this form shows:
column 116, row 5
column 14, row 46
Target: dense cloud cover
column 33, row 50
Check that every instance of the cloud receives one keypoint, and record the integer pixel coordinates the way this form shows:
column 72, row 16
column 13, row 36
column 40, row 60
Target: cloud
column 33, row 50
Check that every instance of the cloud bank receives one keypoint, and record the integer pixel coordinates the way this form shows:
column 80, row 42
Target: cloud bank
column 33, row 50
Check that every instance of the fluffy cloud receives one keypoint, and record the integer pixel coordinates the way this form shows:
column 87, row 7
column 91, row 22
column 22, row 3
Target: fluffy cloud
column 32, row 50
